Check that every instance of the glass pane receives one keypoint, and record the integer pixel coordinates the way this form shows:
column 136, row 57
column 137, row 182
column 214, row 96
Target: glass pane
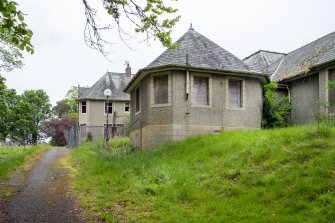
column 109, row 107
column 83, row 107
column 126, row 106
column 200, row 91
column 161, row 89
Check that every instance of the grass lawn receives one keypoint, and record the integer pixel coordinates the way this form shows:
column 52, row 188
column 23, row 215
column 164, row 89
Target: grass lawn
column 281, row 175
column 13, row 156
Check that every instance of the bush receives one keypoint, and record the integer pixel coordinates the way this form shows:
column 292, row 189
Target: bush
column 275, row 111
column 89, row 137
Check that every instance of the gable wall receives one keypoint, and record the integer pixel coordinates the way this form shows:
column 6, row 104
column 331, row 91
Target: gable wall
column 95, row 118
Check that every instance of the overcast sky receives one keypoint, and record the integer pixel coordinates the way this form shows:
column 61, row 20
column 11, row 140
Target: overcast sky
column 62, row 59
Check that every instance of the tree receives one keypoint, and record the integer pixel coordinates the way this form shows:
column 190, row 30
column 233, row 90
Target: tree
column 275, row 110
column 32, row 110
column 150, row 17
column 68, row 106
column 72, row 97
column 62, row 109
column 55, row 129
column 14, row 36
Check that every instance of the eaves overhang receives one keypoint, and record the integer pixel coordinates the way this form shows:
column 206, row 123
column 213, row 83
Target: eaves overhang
column 310, row 71
column 264, row 78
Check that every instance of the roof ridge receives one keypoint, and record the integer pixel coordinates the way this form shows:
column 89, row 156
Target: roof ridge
column 267, row 51
column 312, row 42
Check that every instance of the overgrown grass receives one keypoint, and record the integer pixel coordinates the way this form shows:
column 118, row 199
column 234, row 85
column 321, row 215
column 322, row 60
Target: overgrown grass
column 281, row 175
column 13, row 156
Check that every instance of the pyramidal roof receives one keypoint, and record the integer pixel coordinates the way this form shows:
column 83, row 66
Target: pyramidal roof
column 201, row 52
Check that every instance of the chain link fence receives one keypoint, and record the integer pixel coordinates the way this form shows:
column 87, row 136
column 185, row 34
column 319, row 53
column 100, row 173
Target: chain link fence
column 80, row 133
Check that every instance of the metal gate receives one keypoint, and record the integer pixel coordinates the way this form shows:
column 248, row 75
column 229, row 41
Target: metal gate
column 72, row 137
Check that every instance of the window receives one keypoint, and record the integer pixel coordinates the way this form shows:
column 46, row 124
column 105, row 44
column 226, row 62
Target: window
column 126, row 107
column 108, row 107
column 82, row 130
column 200, row 93
column 235, row 93
column 137, row 100
column 331, row 91
column 161, row 89
column 83, row 107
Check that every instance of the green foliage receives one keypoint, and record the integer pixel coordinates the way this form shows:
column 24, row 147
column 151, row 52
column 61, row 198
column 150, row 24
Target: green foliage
column 89, row 137
column 13, row 156
column 153, row 18
column 14, row 35
column 22, row 116
column 67, row 107
column 275, row 110
column 322, row 117
column 276, row 175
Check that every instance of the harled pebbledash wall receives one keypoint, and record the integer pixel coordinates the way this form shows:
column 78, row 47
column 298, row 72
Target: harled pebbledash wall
column 179, row 118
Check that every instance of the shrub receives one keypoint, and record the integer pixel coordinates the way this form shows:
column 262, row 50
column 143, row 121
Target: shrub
column 275, row 110
column 89, row 137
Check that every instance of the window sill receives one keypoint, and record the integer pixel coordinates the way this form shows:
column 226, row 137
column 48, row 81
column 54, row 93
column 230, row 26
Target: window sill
column 160, row 105
column 236, row 109
column 200, row 106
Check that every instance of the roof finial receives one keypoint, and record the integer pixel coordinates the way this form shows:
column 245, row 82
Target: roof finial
column 191, row 27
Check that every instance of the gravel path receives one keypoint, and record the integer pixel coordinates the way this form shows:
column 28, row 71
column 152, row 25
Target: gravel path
column 43, row 194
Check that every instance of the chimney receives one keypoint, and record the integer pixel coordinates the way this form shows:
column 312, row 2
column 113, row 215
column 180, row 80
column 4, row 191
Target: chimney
column 128, row 70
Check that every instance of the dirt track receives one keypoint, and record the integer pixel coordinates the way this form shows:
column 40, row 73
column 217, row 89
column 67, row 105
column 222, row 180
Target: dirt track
column 43, row 194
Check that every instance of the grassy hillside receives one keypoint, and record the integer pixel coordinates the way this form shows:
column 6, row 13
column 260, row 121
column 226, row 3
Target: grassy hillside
column 14, row 156
column 284, row 175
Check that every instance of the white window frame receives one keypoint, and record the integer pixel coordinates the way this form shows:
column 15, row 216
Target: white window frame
column 113, row 109
column 140, row 100
column 81, row 107
column 152, row 90
column 243, row 93
column 125, row 107
column 209, row 76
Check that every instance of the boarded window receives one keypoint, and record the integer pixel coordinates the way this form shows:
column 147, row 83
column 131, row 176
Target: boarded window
column 108, row 107
column 161, row 89
column 331, row 90
column 126, row 107
column 235, row 94
column 200, row 94
column 137, row 100
column 83, row 130
column 83, row 107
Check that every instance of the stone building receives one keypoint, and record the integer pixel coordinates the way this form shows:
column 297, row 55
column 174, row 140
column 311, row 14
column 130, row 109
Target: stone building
column 198, row 88
column 93, row 107
column 303, row 75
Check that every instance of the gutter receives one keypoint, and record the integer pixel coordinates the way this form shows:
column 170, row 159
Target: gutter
column 143, row 72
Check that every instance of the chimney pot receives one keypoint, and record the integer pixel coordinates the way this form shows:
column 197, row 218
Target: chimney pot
column 128, row 70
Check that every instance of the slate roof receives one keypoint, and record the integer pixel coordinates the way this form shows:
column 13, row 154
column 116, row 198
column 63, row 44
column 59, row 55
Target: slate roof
column 302, row 60
column 202, row 53
column 115, row 81
column 264, row 61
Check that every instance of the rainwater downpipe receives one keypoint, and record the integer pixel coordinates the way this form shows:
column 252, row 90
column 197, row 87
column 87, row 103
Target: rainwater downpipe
column 288, row 94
